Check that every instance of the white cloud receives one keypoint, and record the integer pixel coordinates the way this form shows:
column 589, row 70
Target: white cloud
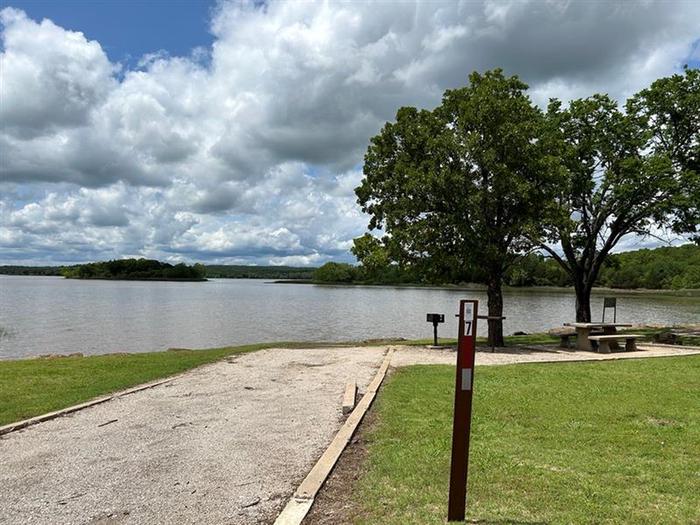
column 51, row 78
column 253, row 154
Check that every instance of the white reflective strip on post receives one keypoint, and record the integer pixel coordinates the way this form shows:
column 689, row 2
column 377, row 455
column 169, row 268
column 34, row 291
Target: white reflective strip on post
column 466, row 378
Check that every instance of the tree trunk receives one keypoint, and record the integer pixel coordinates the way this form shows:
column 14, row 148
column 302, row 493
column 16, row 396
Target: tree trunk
column 583, row 302
column 495, row 305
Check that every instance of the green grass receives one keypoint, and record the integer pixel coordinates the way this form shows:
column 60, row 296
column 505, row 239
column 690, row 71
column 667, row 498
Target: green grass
column 30, row 387
column 510, row 340
column 612, row 442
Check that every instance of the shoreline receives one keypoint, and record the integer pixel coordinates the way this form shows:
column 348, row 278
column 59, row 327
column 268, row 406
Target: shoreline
column 550, row 336
column 159, row 279
column 683, row 292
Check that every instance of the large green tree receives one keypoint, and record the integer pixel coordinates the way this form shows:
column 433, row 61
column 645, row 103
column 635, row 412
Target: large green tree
column 466, row 183
column 630, row 172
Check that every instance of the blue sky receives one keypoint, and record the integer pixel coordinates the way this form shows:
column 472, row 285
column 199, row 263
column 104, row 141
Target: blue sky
column 128, row 29
column 248, row 151
column 694, row 59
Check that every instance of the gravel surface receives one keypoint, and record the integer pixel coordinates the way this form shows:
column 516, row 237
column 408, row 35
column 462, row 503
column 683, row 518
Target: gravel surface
column 226, row 443
column 410, row 355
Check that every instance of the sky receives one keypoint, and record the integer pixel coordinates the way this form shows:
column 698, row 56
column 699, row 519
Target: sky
column 234, row 132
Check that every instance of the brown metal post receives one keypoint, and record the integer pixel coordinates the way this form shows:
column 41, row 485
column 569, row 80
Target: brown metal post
column 466, row 348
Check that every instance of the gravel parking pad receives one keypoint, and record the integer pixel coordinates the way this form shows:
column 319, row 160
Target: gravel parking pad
column 227, row 443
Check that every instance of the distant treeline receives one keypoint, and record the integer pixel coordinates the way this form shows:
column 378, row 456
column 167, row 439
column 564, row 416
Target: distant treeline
column 158, row 270
column 660, row 268
column 135, row 269
column 31, row 270
column 225, row 271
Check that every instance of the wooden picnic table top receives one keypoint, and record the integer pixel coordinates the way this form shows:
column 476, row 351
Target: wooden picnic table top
column 597, row 325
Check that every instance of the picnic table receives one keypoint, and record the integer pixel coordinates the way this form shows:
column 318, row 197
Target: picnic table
column 583, row 332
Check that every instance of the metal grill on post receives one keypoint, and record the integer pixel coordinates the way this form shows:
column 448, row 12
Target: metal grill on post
column 435, row 319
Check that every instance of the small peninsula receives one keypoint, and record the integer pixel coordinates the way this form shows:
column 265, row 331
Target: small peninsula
column 136, row 270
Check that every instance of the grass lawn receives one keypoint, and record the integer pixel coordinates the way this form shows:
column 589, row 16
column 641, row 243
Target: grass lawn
column 610, row 442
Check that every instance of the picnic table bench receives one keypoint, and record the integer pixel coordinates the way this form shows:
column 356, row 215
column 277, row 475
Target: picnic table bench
column 605, row 340
column 565, row 338
column 584, row 331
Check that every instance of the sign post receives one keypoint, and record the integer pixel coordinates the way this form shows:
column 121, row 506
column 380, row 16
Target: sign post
column 466, row 348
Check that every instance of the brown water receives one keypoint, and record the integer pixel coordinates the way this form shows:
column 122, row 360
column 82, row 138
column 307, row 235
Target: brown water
column 43, row 315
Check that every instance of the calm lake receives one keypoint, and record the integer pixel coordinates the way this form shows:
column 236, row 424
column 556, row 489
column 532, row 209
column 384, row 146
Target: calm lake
column 52, row 315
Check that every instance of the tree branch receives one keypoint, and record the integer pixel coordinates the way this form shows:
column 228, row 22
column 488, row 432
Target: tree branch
column 554, row 255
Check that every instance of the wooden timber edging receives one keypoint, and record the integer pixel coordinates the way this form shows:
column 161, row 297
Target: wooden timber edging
column 18, row 425
column 301, row 501
column 349, row 397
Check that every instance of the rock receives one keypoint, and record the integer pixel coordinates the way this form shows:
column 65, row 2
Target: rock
column 520, row 333
column 251, row 503
column 562, row 330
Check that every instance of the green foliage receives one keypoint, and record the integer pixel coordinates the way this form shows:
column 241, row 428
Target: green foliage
column 376, row 265
column 577, row 443
column 462, row 183
column 31, row 270
column 466, row 183
column 660, row 269
column 213, row 271
column 137, row 269
column 371, row 253
column 626, row 173
column 669, row 110
column 230, row 271
column 670, row 267
column 535, row 270
column 332, row 272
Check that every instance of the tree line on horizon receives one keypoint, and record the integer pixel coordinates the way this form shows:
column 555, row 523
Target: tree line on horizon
column 655, row 269
column 487, row 177
column 211, row 271
column 664, row 268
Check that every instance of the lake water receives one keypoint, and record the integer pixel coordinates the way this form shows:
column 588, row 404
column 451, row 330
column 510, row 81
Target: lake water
column 52, row 315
